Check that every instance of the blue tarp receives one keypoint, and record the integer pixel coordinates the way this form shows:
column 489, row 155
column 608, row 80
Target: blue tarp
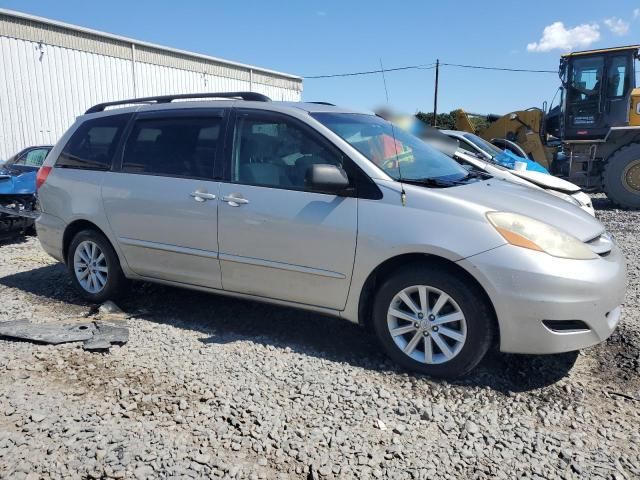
column 508, row 159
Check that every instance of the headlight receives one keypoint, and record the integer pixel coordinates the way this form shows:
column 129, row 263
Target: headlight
column 564, row 196
column 526, row 232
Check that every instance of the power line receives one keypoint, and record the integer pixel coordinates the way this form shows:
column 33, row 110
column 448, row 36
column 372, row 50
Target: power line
column 372, row 72
column 427, row 67
column 479, row 67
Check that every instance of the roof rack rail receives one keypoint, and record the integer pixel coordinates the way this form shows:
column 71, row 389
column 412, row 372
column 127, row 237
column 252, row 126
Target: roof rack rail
column 323, row 103
column 252, row 96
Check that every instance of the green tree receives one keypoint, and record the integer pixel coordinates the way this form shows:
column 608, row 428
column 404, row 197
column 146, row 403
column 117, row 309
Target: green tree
column 448, row 120
column 445, row 120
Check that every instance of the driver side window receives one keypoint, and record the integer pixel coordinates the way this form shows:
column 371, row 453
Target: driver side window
column 272, row 151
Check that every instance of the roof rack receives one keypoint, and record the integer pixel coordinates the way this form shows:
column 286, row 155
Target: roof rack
column 252, row 96
column 323, row 103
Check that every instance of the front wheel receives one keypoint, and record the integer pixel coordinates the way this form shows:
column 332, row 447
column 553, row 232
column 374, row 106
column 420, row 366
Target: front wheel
column 94, row 267
column 621, row 176
column 433, row 321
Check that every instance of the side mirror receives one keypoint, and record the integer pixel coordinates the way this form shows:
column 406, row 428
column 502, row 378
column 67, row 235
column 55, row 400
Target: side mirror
column 327, row 178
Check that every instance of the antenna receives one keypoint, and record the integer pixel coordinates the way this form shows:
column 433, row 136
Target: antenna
column 403, row 194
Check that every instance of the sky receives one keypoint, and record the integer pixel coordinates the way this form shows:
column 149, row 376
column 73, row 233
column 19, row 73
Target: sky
column 338, row 36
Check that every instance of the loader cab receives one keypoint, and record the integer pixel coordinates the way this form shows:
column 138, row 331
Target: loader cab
column 596, row 92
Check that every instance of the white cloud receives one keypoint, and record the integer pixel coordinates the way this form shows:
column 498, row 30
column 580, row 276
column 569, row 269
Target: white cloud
column 617, row 25
column 636, row 13
column 557, row 36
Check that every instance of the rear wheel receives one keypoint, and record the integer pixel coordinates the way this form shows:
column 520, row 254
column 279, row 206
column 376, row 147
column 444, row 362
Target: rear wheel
column 433, row 322
column 621, row 176
column 94, row 267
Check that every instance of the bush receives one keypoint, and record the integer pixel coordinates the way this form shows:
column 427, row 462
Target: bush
column 448, row 120
column 445, row 120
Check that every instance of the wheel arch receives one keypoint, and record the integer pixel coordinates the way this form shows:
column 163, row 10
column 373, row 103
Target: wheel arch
column 393, row 264
column 74, row 228
column 618, row 138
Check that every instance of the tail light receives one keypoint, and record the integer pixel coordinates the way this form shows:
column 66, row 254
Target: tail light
column 43, row 173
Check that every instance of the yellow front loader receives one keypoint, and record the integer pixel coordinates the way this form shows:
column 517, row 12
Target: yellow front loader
column 592, row 138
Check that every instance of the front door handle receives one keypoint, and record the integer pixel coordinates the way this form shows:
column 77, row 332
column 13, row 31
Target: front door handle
column 235, row 199
column 199, row 196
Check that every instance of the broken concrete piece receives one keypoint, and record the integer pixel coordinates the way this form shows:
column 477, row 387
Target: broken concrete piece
column 97, row 335
column 47, row 332
column 106, row 334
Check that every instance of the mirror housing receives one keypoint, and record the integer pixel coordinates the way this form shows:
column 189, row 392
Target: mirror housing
column 327, row 178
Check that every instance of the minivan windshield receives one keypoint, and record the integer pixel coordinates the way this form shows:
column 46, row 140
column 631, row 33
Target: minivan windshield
column 398, row 153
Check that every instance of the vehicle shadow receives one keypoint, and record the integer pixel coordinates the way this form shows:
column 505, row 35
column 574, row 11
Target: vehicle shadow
column 601, row 202
column 225, row 320
column 12, row 239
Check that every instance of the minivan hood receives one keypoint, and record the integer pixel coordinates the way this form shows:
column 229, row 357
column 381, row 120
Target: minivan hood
column 546, row 181
column 501, row 195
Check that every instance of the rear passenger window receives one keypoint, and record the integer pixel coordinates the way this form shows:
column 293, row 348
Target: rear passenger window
column 93, row 144
column 177, row 147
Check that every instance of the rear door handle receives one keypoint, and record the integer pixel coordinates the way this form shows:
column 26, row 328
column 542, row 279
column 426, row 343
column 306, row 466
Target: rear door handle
column 202, row 196
column 235, row 199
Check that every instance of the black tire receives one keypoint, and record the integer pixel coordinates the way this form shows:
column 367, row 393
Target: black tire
column 480, row 322
column 116, row 280
column 615, row 181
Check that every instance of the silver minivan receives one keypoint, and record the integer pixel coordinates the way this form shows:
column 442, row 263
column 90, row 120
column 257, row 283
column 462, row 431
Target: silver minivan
column 330, row 210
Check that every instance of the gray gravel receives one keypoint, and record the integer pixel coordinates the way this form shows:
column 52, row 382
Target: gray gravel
column 214, row 387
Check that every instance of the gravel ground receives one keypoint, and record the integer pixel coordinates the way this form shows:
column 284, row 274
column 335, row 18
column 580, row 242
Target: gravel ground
column 214, row 387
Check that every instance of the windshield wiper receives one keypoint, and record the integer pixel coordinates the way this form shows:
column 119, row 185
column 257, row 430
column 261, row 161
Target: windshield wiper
column 433, row 182
column 442, row 183
column 480, row 175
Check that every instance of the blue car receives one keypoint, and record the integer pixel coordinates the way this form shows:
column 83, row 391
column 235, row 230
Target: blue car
column 18, row 189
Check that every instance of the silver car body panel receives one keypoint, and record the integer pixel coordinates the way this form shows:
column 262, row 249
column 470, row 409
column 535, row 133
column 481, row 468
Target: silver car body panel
column 530, row 179
column 287, row 244
column 162, row 230
column 317, row 251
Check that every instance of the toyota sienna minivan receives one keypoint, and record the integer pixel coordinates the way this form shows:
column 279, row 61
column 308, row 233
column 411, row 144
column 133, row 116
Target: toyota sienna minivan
column 331, row 210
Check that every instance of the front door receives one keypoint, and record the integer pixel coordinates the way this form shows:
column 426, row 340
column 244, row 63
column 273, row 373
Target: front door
column 618, row 90
column 585, row 105
column 162, row 204
column 279, row 238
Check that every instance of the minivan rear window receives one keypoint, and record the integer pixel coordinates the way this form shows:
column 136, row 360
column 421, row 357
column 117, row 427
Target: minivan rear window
column 93, row 144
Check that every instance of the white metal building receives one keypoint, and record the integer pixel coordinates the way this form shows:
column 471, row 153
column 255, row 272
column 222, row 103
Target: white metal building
column 51, row 72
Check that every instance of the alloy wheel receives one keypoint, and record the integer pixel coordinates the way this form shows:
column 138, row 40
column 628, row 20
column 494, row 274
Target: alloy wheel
column 90, row 266
column 427, row 324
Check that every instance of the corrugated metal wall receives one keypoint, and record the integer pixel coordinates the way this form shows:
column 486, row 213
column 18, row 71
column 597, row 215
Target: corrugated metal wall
column 50, row 74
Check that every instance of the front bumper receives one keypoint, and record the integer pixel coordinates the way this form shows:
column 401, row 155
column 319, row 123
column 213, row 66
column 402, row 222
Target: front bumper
column 17, row 213
column 529, row 287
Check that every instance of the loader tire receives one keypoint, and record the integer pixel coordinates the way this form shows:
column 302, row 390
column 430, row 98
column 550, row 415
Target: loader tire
column 621, row 177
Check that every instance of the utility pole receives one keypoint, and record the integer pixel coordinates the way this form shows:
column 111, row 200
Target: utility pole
column 435, row 95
